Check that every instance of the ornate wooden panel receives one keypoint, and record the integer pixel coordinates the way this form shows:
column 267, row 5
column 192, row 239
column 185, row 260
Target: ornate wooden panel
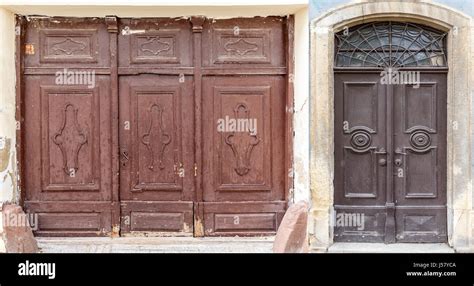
column 157, row 155
column 68, row 119
column 241, row 158
column 157, row 161
column 246, row 164
column 235, row 45
column 69, row 155
column 60, row 45
column 239, row 43
column 155, row 43
column 155, row 47
column 70, row 128
column 66, row 43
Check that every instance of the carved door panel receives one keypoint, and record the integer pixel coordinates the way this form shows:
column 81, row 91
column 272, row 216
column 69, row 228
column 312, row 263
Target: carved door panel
column 360, row 156
column 67, row 127
column 243, row 126
column 156, row 178
column 243, row 168
column 420, row 159
column 156, row 127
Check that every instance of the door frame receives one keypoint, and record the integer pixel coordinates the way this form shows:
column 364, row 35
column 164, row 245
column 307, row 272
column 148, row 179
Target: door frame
column 197, row 28
column 459, row 189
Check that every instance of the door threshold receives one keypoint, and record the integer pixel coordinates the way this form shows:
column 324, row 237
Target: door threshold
column 353, row 247
column 156, row 244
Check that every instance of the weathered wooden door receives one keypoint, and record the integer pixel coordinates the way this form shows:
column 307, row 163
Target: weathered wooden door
column 156, row 127
column 390, row 134
column 243, row 168
column 149, row 147
column 67, row 128
column 360, row 151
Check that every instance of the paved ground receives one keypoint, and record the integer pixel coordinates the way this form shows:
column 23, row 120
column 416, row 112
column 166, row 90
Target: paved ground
column 390, row 248
column 156, row 245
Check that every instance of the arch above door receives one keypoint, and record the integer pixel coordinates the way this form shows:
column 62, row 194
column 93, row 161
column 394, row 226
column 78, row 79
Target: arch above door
column 389, row 44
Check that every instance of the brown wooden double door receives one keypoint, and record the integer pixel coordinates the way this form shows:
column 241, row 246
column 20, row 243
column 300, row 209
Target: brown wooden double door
column 390, row 159
column 140, row 150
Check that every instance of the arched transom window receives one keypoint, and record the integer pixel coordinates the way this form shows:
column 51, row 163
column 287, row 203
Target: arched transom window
column 390, row 44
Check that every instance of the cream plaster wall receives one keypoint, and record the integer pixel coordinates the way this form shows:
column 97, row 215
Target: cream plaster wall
column 301, row 108
column 7, row 107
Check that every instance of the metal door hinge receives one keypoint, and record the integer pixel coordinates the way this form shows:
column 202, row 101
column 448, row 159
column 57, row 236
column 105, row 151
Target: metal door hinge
column 195, row 170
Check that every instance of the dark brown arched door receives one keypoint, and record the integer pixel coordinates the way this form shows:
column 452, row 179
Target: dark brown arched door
column 390, row 134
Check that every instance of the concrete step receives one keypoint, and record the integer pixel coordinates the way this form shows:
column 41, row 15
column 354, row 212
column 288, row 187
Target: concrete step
column 156, row 245
column 351, row 247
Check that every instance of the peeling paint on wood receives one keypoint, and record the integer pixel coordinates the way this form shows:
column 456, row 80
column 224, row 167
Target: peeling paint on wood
column 198, row 228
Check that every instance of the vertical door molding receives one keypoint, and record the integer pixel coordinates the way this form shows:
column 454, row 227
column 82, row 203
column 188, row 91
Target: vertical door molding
column 112, row 28
column 197, row 28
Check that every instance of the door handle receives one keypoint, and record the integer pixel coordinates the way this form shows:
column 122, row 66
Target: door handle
column 398, row 151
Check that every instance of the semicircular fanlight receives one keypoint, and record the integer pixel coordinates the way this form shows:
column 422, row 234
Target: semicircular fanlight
column 390, row 44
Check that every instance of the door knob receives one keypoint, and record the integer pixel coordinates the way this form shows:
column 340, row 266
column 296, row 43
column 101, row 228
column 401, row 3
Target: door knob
column 382, row 162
